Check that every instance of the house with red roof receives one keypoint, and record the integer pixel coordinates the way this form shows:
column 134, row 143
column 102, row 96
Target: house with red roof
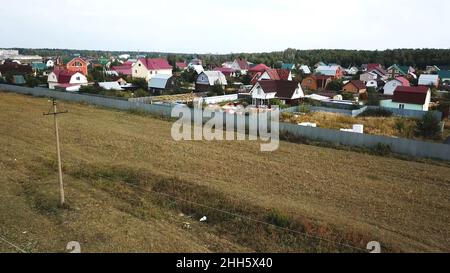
column 410, row 98
column 289, row 92
column 146, row 68
column 259, row 68
column 390, row 86
column 66, row 80
column 181, row 65
column 227, row 71
column 125, row 69
column 273, row 74
column 356, row 87
column 78, row 65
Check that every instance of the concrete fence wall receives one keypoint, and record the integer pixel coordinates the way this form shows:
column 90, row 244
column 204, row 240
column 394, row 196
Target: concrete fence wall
column 407, row 113
column 354, row 113
column 397, row 145
column 163, row 110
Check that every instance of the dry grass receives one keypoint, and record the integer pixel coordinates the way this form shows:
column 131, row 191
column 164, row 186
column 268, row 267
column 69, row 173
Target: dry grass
column 387, row 126
column 339, row 195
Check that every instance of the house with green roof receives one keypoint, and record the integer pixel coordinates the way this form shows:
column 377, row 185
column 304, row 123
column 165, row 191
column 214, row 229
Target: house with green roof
column 38, row 66
column 288, row 66
column 444, row 75
column 400, row 70
column 18, row 80
column 103, row 61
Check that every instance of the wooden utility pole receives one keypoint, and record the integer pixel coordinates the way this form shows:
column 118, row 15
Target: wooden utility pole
column 55, row 113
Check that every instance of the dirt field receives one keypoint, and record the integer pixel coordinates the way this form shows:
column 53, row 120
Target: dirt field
column 128, row 183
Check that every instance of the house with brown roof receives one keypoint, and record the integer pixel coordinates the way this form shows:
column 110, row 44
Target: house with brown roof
column 146, row 68
column 273, row 74
column 316, row 82
column 356, row 87
column 410, row 98
column 289, row 92
column 14, row 68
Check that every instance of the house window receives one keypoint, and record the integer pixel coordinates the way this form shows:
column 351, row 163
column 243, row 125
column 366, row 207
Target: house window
column 401, row 106
column 135, row 71
column 78, row 78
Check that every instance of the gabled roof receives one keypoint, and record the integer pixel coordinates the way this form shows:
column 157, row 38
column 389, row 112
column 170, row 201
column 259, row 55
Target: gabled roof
column 225, row 70
column 159, row 81
column 358, row 84
column 409, row 94
column 155, row 64
column 78, row 59
column 377, row 70
column 328, row 70
column 19, row 79
column 404, row 81
column 403, row 69
column 444, row 74
column 243, row 64
column 214, row 77
column 259, row 68
column 305, row 69
column 427, row 77
column 374, row 66
column 39, row 66
column 124, row 69
column 287, row 66
column 283, row 89
column 110, row 85
column 64, row 75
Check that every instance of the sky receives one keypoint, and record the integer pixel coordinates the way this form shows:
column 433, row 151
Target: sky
column 232, row 26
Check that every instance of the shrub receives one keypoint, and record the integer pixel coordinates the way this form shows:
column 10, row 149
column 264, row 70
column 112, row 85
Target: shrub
column 400, row 125
column 335, row 85
column 278, row 219
column 379, row 112
column 373, row 97
column 140, row 83
column 140, row 93
column 304, row 108
column 429, row 126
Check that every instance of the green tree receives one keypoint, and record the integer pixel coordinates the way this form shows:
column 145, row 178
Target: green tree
column 140, row 83
column 429, row 126
column 335, row 85
column 373, row 98
column 218, row 89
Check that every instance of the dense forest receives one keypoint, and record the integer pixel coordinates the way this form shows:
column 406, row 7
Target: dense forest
column 419, row 58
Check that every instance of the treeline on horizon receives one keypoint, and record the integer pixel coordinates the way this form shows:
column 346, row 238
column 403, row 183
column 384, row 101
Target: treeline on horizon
column 418, row 58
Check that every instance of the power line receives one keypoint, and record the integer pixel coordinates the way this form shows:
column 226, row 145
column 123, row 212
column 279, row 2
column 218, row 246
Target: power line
column 251, row 219
column 11, row 244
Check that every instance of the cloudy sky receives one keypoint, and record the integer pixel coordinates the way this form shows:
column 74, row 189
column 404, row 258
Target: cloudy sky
column 208, row 26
